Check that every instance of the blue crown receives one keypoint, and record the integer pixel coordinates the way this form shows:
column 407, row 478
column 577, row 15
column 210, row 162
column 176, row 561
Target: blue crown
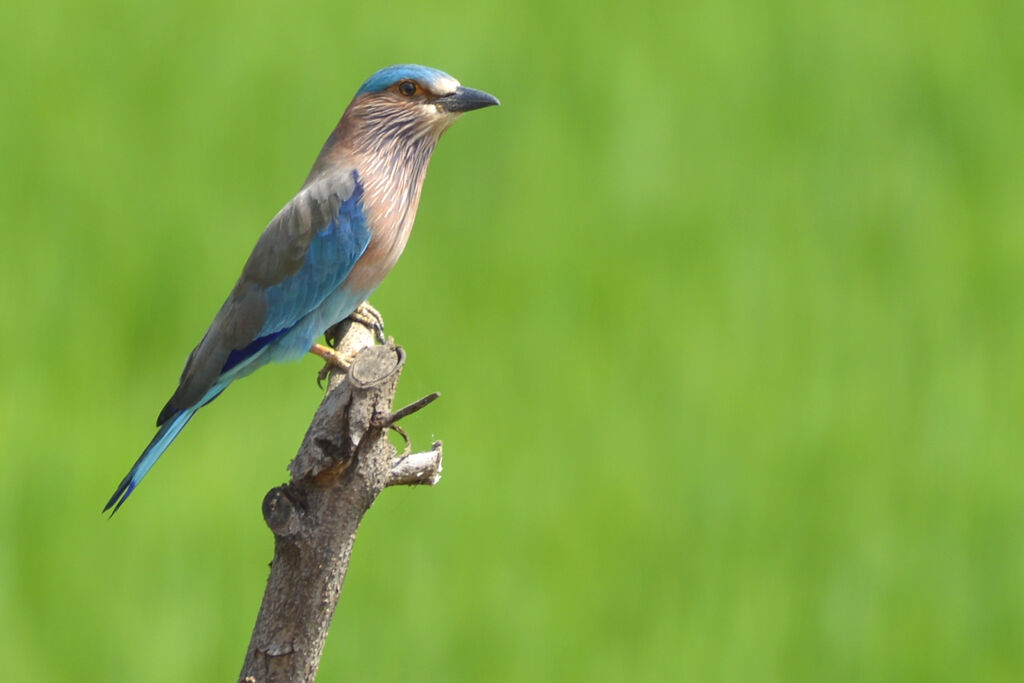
column 389, row 75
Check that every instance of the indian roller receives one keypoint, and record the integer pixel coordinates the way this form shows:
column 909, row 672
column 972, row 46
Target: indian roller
column 327, row 250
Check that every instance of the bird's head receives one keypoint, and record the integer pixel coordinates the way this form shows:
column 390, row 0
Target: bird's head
column 415, row 101
column 389, row 130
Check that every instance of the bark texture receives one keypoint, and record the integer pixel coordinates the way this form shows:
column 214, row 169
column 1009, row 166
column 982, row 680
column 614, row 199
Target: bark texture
column 343, row 464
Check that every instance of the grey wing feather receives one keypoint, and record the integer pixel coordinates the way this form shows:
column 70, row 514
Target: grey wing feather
column 279, row 254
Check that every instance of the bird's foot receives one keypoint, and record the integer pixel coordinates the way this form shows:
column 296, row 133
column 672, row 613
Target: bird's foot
column 369, row 317
column 332, row 360
column 366, row 315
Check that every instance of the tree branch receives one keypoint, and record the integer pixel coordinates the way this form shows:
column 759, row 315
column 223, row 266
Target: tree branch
column 343, row 464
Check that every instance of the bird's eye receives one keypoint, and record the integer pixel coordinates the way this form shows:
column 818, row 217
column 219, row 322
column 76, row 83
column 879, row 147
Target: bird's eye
column 407, row 88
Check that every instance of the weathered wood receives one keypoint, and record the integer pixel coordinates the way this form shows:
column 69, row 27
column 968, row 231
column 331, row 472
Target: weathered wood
column 343, row 464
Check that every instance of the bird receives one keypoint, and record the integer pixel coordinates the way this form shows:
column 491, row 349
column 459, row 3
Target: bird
column 328, row 249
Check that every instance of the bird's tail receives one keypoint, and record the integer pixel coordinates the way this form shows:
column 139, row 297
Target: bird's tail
column 166, row 434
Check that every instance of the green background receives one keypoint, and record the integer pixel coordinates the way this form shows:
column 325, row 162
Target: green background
column 724, row 302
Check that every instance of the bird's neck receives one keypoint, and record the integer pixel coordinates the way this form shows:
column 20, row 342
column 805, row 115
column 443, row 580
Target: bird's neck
column 391, row 163
column 391, row 171
column 392, row 174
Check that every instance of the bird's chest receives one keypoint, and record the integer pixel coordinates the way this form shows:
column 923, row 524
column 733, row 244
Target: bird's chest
column 390, row 224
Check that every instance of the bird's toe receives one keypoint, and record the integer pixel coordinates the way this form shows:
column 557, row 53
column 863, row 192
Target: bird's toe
column 369, row 317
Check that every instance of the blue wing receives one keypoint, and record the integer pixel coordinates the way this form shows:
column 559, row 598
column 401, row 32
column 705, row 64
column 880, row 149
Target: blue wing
column 299, row 262
column 329, row 258
column 294, row 273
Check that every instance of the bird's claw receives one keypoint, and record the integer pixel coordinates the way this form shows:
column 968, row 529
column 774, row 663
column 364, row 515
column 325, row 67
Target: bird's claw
column 332, row 360
column 369, row 317
column 366, row 315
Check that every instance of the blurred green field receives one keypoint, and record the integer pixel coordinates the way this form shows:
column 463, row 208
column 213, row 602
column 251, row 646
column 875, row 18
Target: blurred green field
column 724, row 303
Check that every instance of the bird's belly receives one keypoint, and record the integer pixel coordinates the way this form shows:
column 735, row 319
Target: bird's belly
column 335, row 308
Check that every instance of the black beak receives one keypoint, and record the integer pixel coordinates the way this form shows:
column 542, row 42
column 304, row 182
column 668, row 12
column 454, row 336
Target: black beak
column 467, row 99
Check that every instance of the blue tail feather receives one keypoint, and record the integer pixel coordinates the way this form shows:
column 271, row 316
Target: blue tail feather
column 167, row 433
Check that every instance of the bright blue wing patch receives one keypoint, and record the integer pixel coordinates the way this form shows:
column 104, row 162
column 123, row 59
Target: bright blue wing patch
column 329, row 259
